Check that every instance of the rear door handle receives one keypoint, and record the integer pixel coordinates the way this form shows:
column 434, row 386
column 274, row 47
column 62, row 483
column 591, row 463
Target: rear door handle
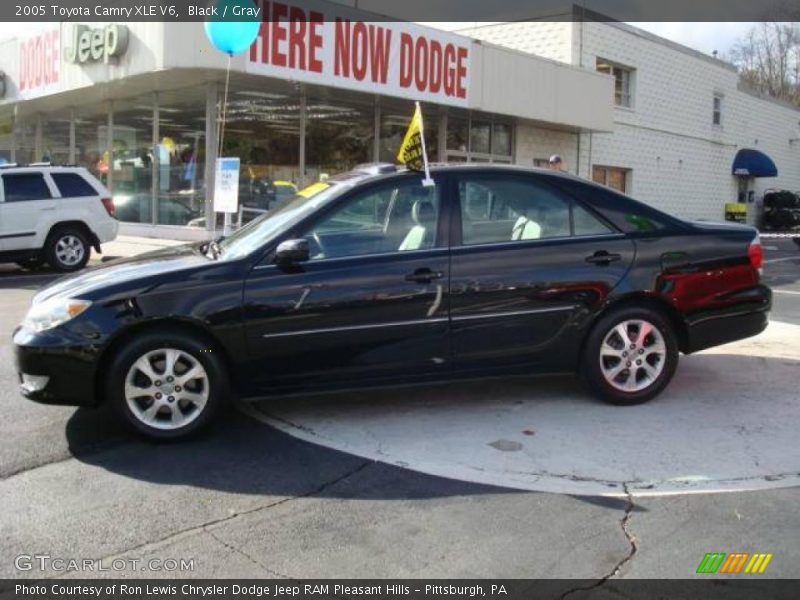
column 424, row 275
column 602, row 257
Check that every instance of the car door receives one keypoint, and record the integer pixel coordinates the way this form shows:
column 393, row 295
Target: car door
column 370, row 304
column 527, row 261
column 27, row 209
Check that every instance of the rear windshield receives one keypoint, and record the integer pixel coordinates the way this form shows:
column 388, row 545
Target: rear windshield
column 72, row 185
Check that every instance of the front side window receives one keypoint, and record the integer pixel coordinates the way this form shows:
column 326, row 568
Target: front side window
column 22, row 187
column 397, row 217
column 623, row 81
column 496, row 210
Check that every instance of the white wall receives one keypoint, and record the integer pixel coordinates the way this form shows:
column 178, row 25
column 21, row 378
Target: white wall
column 680, row 161
column 548, row 39
column 535, row 142
column 516, row 84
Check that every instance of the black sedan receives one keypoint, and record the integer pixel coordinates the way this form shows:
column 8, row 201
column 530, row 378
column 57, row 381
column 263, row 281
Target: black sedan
column 372, row 279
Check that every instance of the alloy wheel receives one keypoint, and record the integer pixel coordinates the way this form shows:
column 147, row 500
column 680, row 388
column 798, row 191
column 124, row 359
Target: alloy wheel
column 633, row 355
column 70, row 250
column 166, row 388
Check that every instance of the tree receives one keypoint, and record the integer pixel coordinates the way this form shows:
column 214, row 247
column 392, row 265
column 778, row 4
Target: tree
column 768, row 59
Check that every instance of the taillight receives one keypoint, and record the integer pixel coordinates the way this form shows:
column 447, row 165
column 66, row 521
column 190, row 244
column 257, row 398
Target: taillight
column 108, row 204
column 756, row 254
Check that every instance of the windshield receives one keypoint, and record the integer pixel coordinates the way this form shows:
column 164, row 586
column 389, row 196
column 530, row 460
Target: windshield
column 256, row 233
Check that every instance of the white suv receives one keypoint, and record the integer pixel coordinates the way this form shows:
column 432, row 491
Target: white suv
column 54, row 215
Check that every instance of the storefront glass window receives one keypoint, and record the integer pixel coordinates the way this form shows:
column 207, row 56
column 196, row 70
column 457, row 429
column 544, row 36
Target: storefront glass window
column 91, row 140
column 340, row 133
column 25, row 134
column 501, row 139
column 263, row 130
column 395, row 118
column 480, row 137
column 179, row 158
column 457, row 133
column 6, row 137
column 132, row 175
column 55, row 138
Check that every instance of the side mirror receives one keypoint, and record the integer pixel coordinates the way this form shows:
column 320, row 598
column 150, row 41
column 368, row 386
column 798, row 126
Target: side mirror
column 292, row 251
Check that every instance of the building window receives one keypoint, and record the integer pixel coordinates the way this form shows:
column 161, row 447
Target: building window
column 623, row 81
column 541, row 163
column 717, row 115
column 613, row 177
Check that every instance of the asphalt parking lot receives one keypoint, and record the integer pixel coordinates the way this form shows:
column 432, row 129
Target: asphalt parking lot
column 257, row 498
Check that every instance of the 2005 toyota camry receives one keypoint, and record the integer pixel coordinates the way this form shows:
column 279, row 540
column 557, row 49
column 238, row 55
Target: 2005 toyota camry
column 372, row 279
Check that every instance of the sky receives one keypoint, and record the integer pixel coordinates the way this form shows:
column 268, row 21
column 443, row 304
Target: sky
column 705, row 37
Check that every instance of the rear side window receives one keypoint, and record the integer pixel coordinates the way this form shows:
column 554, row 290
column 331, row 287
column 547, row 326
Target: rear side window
column 72, row 185
column 22, row 187
column 497, row 210
column 625, row 213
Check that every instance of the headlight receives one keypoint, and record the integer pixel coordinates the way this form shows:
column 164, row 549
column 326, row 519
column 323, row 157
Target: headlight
column 52, row 313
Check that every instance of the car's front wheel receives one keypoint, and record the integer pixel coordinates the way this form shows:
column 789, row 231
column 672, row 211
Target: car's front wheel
column 167, row 385
column 630, row 356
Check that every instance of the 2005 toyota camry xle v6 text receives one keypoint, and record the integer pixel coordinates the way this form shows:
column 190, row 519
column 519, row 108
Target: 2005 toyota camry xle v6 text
column 372, row 279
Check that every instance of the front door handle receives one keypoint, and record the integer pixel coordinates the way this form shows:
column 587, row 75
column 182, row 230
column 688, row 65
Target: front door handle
column 424, row 275
column 601, row 257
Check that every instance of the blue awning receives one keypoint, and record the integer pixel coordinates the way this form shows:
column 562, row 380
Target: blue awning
column 752, row 163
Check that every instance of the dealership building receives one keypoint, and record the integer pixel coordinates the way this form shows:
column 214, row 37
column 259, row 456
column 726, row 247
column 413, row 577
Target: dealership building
column 141, row 105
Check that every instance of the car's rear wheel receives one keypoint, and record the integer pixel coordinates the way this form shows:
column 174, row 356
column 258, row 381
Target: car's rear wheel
column 67, row 249
column 167, row 385
column 630, row 356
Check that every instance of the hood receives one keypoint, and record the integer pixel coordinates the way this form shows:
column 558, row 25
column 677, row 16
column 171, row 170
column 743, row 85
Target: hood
column 144, row 269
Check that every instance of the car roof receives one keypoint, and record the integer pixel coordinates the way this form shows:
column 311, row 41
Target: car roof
column 377, row 171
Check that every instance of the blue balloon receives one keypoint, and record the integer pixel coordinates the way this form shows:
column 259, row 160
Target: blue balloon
column 233, row 37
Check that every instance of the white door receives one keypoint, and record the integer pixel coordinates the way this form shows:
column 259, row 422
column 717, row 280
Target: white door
column 26, row 209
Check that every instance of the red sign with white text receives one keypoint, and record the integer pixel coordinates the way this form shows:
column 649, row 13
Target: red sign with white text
column 392, row 58
column 39, row 64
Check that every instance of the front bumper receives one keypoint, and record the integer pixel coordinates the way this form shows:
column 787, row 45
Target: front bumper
column 68, row 363
column 742, row 315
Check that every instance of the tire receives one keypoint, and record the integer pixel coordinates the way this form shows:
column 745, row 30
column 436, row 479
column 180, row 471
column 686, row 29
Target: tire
column 32, row 262
column 182, row 407
column 67, row 249
column 657, row 358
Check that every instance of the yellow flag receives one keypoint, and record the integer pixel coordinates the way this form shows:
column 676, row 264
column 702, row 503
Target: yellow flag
column 412, row 150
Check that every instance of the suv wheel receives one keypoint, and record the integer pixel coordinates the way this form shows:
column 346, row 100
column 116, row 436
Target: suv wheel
column 630, row 356
column 167, row 385
column 67, row 249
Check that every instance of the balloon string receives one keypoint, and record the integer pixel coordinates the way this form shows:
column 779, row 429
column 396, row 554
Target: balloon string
column 224, row 108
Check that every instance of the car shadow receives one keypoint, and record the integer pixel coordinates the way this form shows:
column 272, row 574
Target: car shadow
column 243, row 456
